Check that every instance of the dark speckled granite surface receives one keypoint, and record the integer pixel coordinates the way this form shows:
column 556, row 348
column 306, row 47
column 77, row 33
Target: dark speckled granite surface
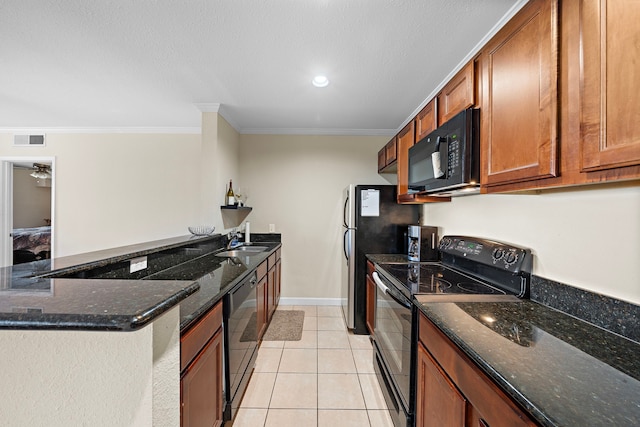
column 564, row 371
column 95, row 291
column 570, row 358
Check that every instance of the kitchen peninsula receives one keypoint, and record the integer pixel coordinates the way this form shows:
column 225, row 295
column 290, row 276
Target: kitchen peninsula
column 91, row 340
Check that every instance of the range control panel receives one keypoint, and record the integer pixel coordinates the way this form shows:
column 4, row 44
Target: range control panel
column 496, row 254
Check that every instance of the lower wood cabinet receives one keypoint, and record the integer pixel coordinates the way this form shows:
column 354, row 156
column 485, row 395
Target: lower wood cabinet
column 201, row 396
column 371, row 299
column 452, row 391
column 268, row 290
column 262, row 315
column 438, row 401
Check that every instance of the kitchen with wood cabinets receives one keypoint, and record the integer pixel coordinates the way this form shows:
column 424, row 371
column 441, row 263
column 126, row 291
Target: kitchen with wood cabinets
column 550, row 114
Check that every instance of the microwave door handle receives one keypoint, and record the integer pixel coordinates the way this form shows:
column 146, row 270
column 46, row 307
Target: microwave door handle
column 436, row 158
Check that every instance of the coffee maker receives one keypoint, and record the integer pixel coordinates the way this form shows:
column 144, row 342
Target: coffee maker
column 422, row 243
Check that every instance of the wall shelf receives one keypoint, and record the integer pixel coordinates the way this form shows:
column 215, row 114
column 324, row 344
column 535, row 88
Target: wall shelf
column 232, row 216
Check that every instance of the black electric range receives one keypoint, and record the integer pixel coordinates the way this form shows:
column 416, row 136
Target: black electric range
column 470, row 269
column 468, row 265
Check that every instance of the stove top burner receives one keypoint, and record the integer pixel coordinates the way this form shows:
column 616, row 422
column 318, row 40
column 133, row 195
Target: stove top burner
column 434, row 278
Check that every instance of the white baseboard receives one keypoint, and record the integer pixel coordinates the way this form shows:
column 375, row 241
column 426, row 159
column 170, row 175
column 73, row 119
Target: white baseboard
column 309, row 301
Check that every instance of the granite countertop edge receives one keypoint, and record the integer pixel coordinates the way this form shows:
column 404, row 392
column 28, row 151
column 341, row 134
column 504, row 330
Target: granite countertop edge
column 139, row 317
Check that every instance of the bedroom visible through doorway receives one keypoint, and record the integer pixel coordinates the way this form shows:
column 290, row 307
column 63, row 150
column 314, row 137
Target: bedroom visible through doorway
column 27, row 193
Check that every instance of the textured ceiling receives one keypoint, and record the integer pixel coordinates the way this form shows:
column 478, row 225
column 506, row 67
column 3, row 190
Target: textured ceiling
column 151, row 63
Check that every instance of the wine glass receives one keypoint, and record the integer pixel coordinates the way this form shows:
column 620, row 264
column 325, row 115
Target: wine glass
column 242, row 195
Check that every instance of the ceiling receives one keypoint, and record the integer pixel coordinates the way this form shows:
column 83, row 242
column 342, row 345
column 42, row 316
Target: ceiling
column 159, row 63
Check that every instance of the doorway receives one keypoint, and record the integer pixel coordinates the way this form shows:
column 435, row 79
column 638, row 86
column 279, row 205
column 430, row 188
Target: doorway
column 33, row 232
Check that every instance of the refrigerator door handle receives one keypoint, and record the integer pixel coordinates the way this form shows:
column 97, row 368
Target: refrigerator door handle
column 344, row 212
column 346, row 245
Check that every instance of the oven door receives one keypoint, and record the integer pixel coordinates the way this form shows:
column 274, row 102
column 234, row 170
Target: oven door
column 393, row 330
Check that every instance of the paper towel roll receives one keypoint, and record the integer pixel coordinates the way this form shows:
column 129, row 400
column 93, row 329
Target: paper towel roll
column 247, row 232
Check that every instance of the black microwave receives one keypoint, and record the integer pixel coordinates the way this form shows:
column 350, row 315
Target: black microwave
column 447, row 161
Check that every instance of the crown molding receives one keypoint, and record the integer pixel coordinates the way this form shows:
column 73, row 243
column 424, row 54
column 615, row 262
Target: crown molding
column 476, row 49
column 132, row 129
column 311, row 131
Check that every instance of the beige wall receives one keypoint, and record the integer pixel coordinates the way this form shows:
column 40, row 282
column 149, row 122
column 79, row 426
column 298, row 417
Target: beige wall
column 31, row 204
column 588, row 238
column 118, row 189
column 296, row 183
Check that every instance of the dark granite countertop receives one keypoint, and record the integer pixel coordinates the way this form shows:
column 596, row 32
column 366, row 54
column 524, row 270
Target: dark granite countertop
column 562, row 370
column 95, row 291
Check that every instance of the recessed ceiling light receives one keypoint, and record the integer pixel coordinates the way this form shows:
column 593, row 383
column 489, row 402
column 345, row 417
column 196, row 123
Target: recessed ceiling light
column 320, row 81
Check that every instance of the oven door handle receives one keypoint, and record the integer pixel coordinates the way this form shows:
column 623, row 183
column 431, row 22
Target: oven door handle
column 384, row 288
column 379, row 283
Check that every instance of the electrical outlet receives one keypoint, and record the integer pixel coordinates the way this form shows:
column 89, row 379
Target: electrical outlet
column 272, row 228
column 137, row 264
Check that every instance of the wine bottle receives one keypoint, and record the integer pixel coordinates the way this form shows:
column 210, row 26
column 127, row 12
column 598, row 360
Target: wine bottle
column 231, row 198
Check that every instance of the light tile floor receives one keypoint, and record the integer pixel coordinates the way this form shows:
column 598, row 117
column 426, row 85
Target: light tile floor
column 325, row 379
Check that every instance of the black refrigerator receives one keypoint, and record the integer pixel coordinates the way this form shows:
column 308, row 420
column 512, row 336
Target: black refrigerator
column 373, row 223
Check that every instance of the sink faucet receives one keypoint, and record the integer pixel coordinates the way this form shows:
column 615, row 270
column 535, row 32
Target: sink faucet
column 233, row 239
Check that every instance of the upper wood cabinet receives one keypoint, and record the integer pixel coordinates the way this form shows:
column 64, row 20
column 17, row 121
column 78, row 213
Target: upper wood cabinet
column 387, row 157
column 519, row 90
column 458, row 94
column 405, row 140
column 426, row 120
column 610, row 101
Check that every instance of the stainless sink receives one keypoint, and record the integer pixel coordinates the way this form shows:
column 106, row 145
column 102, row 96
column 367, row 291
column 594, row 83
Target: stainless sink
column 243, row 251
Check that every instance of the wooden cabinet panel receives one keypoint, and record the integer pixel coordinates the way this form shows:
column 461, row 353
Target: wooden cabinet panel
column 438, row 401
column 406, row 139
column 426, row 120
column 271, row 293
column 201, row 387
column 458, row 94
column 519, row 78
column 192, row 341
column 278, row 285
column 261, row 302
column 610, row 41
column 382, row 159
column 387, row 157
column 371, row 304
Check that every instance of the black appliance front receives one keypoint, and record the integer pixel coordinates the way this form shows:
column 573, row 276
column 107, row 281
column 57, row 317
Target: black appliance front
column 382, row 234
column 240, row 342
column 393, row 351
column 449, row 157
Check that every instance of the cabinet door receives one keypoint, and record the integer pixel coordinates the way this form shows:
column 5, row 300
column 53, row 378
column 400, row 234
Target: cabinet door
column 458, row 94
column 391, row 151
column 278, row 282
column 426, row 120
column 261, row 302
column 406, row 139
column 519, row 75
column 610, row 75
column 201, row 387
column 371, row 304
column 438, row 401
column 271, row 293
column 382, row 159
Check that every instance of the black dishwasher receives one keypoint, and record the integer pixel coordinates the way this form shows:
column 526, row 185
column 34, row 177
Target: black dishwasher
column 240, row 341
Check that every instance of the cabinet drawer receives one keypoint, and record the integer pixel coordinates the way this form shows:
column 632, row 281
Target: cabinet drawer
column 261, row 271
column 493, row 406
column 278, row 253
column 271, row 261
column 197, row 337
